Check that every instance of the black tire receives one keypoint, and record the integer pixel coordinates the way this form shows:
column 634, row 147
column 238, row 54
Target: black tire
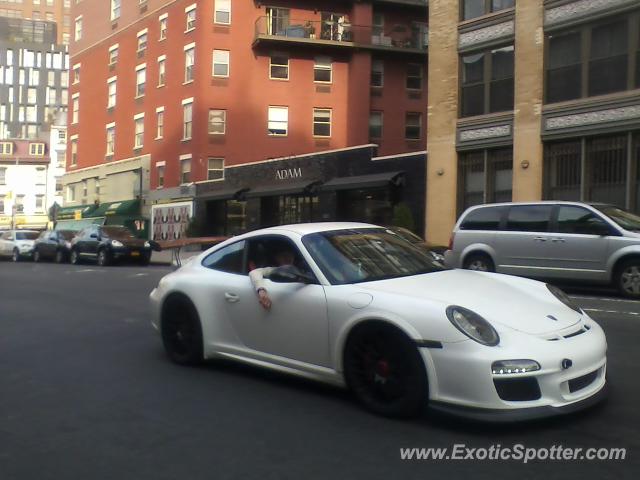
column 385, row 371
column 104, row 259
column 15, row 255
column 36, row 256
column 627, row 278
column 182, row 331
column 479, row 262
column 75, row 257
column 60, row 256
column 145, row 260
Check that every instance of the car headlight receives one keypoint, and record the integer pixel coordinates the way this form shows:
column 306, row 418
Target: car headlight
column 116, row 243
column 473, row 325
column 147, row 245
column 564, row 298
column 67, row 244
column 514, row 366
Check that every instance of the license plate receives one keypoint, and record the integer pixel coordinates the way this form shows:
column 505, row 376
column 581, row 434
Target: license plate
column 135, row 254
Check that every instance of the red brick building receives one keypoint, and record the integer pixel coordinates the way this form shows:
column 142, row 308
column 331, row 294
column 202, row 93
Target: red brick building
column 168, row 94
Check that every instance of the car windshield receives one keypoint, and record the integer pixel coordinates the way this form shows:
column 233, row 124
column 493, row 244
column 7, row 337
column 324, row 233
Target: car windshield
column 366, row 255
column 117, row 232
column 626, row 220
column 27, row 235
column 66, row 234
column 407, row 235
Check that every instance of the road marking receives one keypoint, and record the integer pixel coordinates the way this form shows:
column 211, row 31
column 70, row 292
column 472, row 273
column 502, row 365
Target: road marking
column 611, row 311
column 140, row 275
column 604, row 299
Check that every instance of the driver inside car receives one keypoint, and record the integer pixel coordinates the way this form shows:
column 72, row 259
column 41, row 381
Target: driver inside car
column 284, row 256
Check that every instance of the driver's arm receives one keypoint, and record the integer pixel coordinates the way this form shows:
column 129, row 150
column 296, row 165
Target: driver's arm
column 257, row 277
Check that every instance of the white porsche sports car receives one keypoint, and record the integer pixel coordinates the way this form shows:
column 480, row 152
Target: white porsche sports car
column 361, row 307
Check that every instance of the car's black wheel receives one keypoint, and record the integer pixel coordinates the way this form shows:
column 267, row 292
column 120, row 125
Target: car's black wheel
column 36, row 255
column 75, row 257
column 385, row 370
column 104, row 259
column 182, row 331
column 145, row 260
column 479, row 262
column 59, row 258
column 15, row 256
column 627, row 278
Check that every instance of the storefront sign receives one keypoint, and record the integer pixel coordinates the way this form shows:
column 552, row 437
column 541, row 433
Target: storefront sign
column 288, row 173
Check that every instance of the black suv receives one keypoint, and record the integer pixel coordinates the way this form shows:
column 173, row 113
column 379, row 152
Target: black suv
column 108, row 244
column 53, row 245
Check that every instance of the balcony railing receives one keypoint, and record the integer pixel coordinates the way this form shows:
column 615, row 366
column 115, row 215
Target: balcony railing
column 339, row 33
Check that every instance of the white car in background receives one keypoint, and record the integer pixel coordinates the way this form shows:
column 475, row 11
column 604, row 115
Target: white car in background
column 18, row 244
column 363, row 308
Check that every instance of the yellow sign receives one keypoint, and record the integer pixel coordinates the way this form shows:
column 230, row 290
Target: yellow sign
column 77, row 215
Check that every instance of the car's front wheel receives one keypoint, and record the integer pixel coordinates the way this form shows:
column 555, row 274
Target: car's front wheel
column 75, row 257
column 385, row 370
column 36, row 255
column 104, row 259
column 15, row 256
column 182, row 331
column 628, row 278
column 59, row 256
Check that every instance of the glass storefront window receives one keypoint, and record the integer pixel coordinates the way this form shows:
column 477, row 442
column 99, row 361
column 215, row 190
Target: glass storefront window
column 607, row 169
column 236, row 217
column 372, row 205
column 485, row 176
column 563, row 170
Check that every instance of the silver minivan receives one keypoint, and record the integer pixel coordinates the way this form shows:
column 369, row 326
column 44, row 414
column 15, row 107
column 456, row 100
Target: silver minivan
column 569, row 241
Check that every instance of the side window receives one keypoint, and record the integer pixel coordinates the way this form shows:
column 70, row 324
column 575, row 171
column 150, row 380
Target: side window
column 272, row 251
column 483, row 219
column 529, row 218
column 229, row 259
column 580, row 221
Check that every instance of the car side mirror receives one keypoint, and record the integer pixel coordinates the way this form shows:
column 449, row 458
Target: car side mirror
column 290, row 274
column 155, row 246
column 93, row 235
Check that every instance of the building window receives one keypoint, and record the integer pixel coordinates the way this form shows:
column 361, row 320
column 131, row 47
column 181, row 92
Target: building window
column 279, row 67
column 41, row 175
column 375, row 125
column 215, row 170
column 162, row 71
column 2, row 202
column 413, row 126
column 76, row 73
column 71, row 193
column 115, row 9
column 476, row 8
column 220, row 63
column 142, row 42
column 595, row 59
column 113, row 55
column 322, row 70
column 141, row 79
column 75, row 108
column 111, row 92
column 162, row 20
column 6, row 148
column 414, row 76
column 36, row 149
column 189, row 62
column 78, row 28
column 563, row 170
column 39, row 203
column 111, row 139
column 278, row 122
column 217, row 122
column 185, row 171
column 3, row 176
column 160, row 176
column 321, row 122
column 487, row 82
column 74, row 151
column 139, row 131
column 159, row 123
column 187, row 120
column 277, row 20
column 485, row 176
column 377, row 73
column 222, row 12
column 190, row 13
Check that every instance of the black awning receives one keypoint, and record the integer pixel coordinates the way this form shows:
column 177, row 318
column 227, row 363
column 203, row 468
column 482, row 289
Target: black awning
column 364, row 181
column 226, row 194
column 283, row 189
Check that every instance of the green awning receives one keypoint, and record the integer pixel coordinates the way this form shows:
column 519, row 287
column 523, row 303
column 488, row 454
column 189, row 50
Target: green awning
column 69, row 213
column 77, row 225
column 125, row 208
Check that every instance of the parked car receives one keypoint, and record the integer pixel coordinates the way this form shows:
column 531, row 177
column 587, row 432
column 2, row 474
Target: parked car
column 53, row 245
column 108, row 244
column 359, row 306
column 436, row 252
column 571, row 241
column 17, row 244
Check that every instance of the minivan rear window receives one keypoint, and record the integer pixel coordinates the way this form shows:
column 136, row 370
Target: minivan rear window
column 529, row 218
column 487, row 218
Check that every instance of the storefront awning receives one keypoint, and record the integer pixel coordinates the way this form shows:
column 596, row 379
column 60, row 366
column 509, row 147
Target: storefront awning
column 364, row 181
column 69, row 213
column 283, row 189
column 77, row 225
column 122, row 209
column 227, row 194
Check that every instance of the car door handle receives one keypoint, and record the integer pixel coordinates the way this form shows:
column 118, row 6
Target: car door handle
column 540, row 239
column 231, row 297
column 561, row 240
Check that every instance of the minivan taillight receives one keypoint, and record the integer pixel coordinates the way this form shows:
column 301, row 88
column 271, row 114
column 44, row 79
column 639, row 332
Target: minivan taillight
column 451, row 241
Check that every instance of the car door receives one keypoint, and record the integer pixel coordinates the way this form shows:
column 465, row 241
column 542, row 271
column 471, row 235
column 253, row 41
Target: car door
column 578, row 247
column 4, row 241
column 523, row 245
column 91, row 241
column 46, row 243
column 296, row 327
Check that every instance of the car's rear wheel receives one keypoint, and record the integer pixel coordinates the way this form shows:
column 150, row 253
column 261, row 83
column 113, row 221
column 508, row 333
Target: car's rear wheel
column 628, row 278
column 15, row 256
column 479, row 262
column 36, row 255
column 59, row 256
column 104, row 259
column 75, row 257
column 182, row 332
column 385, row 371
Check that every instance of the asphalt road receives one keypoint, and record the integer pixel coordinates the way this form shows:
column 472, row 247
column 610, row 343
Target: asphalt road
column 86, row 392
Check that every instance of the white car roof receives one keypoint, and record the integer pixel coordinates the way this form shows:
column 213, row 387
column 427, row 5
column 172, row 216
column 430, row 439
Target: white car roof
column 306, row 228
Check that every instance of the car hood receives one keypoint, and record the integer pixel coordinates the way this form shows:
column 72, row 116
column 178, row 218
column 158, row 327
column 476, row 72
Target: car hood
column 25, row 243
column 503, row 300
column 131, row 242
